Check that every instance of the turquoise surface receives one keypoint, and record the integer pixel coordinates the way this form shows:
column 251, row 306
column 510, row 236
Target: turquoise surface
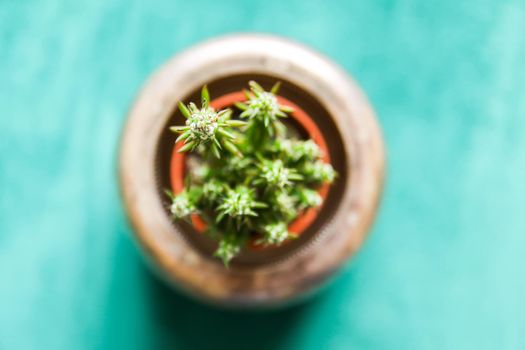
column 444, row 267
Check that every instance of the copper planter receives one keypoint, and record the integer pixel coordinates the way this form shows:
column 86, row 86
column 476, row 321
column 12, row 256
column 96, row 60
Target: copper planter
column 272, row 276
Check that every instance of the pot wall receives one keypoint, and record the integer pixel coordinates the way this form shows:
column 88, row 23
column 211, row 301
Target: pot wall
column 339, row 109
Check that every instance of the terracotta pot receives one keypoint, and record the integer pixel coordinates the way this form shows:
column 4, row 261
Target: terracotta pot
column 267, row 277
column 304, row 121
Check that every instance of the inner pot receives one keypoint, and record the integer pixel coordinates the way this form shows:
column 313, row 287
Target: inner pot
column 324, row 122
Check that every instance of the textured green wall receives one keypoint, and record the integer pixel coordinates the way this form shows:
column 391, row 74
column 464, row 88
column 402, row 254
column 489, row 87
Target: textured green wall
column 444, row 267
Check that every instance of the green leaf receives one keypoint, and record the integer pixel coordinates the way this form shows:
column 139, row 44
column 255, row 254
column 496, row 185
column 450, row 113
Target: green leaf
column 247, row 94
column 275, row 88
column 225, row 114
column 183, row 136
column 246, row 114
column 256, row 88
column 286, row 109
column 295, row 177
column 179, row 129
column 241, row 106
column 184, row 110
column 205, row 96
column 217, row 143
column 220, row 216
column 281, row 114
column 235, row 123
column 170, row 194
column 193, row 108
column 215, row 151
column 226, row 133
column 232, row 148
column 187, row 146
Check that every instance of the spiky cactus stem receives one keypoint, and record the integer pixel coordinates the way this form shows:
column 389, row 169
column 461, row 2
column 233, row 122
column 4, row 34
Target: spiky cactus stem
column 256, row 178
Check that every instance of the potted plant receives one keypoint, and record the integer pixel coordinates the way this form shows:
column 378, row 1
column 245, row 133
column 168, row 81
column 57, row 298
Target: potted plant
column 280, row 182
column 254, row 183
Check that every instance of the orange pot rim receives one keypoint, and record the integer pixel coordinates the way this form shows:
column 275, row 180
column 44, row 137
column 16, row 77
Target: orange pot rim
column 303, row 220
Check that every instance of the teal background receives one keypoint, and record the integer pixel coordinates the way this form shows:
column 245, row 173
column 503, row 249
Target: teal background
column 444, row 266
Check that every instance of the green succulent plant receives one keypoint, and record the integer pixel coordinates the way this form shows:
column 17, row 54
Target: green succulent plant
column 253, row 178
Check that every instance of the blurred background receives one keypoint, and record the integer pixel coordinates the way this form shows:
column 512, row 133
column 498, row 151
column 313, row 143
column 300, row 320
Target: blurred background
column 444, row 267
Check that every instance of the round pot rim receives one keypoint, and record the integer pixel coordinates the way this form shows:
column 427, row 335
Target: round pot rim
column 305, row 218
column 340, row 238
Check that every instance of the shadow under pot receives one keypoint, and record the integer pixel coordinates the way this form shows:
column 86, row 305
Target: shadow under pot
column 328, row 108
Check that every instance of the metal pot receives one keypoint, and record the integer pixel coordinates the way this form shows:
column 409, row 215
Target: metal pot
column 341, row 112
